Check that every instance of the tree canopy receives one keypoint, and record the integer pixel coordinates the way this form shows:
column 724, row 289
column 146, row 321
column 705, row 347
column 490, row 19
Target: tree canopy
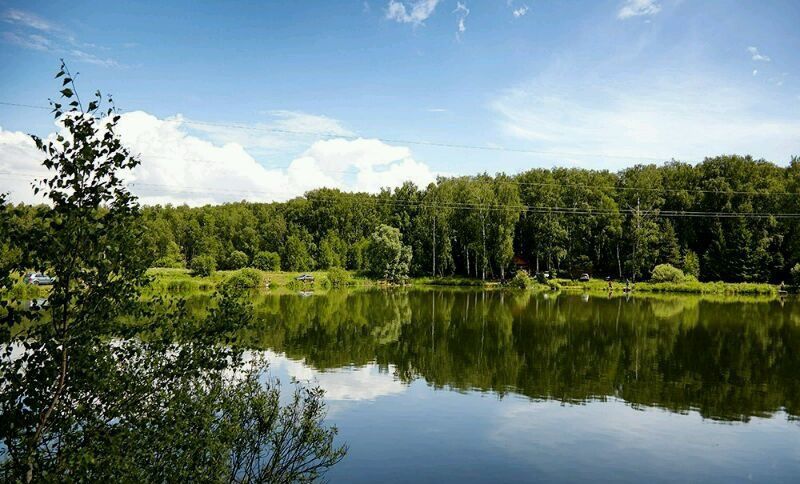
column 564, row 220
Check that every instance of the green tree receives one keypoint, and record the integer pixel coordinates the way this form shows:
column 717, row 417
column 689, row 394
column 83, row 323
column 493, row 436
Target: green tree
column 267, row 261
column 332, row 251
column 297, row 256
column 203, row 265
column 82, row 399
column 795, row 273
column 388, row 258
column 691, row 264
column 237, row 260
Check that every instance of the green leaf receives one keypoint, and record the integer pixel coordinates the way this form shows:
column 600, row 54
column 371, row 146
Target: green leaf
column 67, row 92
column 67, row 80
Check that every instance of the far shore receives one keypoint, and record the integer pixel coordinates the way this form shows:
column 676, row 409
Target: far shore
column 182, row 279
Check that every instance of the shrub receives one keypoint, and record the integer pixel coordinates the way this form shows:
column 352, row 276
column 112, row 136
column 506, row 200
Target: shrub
column 540, row 278
column 521, row 280
column 237, row 260
column 796, row 274
column 169, row 262
column 203, row 265
column 244, row 279
column 666, row 273
column 267, row 261
column 338, row 277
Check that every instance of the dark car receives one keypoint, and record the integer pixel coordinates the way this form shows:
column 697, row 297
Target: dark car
column 39, row 279
column 584, row 277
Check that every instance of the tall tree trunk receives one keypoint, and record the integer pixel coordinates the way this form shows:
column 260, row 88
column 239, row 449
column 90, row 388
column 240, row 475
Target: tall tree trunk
column 483, row 253
column 433, row 272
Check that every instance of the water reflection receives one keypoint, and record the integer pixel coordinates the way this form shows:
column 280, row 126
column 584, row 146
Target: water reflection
column 729, row 359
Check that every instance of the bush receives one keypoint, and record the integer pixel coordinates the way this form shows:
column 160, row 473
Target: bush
column 521, row 280
column 203, row 265
column 237, row 260
column 169, row 262
column 267, row 261
column 666, row 273
column 338, row 277
column 796, row 274
column 244, row 279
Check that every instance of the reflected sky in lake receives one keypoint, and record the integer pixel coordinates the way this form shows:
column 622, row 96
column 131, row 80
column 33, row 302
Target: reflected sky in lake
column 513, row 387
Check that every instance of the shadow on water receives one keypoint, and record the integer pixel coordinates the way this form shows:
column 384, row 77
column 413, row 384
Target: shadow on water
column 728, row 359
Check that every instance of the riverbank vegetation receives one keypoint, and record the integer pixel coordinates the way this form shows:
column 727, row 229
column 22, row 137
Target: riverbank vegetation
column 719, row 220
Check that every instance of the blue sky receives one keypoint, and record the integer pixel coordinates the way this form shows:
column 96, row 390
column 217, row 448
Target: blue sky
column 601, row 84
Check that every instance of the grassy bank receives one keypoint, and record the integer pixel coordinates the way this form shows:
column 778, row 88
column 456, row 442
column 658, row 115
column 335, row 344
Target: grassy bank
column 181, row 280
column 685, row 287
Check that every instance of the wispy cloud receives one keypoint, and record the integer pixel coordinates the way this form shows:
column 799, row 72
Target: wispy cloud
column 690, row 119
column 414, row 12
column 30, row 41
column 88, row 58
column 29, row 20
column 35, row 33
column 756, row 55
column 437, row 110
column 755, row 72
column 283, row 131
column 637, row 8
column 462, row 12
column 520, row 12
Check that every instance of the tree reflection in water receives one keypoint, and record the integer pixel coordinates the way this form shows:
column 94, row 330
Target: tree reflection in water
column 170, row 404
column 730, row 359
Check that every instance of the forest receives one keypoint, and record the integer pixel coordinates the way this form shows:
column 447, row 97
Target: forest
column 727, row 218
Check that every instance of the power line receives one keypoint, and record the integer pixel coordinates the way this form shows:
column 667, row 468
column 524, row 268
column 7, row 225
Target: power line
column 373, row 200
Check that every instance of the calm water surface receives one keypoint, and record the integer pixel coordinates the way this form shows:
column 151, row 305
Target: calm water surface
column 458, row 385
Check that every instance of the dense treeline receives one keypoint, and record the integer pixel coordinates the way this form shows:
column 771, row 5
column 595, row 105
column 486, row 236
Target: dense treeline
column 563, row 220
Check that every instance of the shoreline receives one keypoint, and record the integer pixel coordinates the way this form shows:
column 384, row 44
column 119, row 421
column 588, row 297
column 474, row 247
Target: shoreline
column 182, row 280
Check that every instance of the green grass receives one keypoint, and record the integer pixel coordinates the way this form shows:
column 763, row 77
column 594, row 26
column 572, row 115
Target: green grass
column 685, row 287
column 181, row 280
column 449, row 281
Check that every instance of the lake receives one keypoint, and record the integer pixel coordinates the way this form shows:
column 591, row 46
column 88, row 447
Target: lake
column 469, row 385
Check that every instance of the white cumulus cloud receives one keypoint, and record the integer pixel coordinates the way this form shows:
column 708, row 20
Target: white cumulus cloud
column 180, row 167
column 520, row 12
column 637, row 8
column 756, row 55
column 414, row 12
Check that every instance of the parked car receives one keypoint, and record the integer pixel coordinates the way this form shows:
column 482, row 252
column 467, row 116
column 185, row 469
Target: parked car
column 39, row 279
column 546, row 274
column 584, row 277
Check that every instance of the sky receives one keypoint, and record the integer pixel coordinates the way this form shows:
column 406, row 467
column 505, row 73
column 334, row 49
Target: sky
column 264, row 100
